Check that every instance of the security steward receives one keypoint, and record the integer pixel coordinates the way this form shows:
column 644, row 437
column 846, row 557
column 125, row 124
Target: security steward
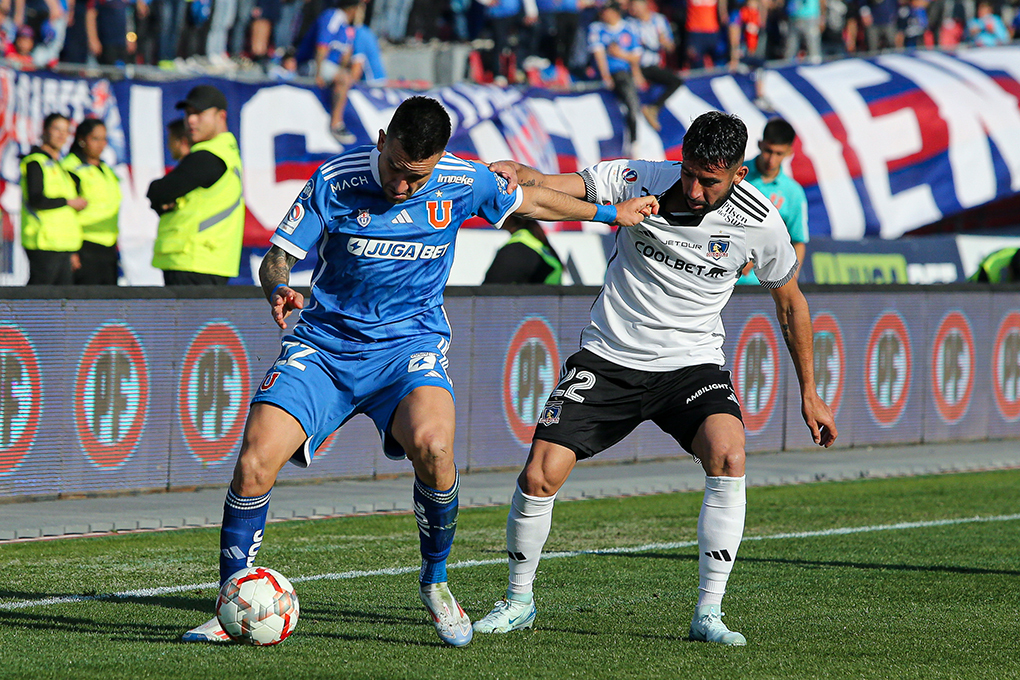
column 50, row 230
column 1001, row 266
column 200, row 202
column 100, row 186
column 526, row 257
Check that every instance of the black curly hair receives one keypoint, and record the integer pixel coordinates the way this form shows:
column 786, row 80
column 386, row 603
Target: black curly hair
column 715, row 140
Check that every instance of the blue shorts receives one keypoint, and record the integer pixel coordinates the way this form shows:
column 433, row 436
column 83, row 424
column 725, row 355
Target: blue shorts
column 323, row 389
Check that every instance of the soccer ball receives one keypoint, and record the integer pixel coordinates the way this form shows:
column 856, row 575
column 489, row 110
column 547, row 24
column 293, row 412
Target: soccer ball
column 257, row 606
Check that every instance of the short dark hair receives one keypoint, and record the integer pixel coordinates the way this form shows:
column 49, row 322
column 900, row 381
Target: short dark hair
column 716, row 140
column 422, row 126
column 51, row 118
column 85, row 128
column 176, row 129
column 778, row 131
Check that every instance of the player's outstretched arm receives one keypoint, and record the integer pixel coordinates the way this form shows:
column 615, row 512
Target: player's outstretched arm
column 274, row 275
column 540, row 203
column 517, row 174
column 795, row 322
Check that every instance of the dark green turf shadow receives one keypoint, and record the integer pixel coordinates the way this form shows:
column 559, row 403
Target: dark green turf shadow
column 126, row 631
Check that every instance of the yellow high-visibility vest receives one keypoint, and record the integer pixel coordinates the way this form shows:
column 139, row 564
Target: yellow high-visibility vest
column 100, row 186
column 58, row 229
column 204, row 233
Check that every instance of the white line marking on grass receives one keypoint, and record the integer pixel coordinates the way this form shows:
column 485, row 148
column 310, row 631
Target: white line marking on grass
column 397, row 571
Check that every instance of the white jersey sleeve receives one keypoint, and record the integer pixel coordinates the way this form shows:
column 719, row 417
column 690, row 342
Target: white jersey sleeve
column 611, row 182
column 769, row 246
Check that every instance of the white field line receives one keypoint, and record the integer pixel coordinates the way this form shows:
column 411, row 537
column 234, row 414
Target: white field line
column 396, row 571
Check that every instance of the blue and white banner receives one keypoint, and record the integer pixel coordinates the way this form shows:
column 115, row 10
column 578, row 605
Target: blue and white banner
column 885, row 145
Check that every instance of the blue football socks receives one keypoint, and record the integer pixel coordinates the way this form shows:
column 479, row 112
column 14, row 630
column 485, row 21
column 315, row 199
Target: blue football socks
column 436, row 512
column 244, row 521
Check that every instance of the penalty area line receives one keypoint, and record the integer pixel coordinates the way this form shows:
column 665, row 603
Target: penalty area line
column 465, row 564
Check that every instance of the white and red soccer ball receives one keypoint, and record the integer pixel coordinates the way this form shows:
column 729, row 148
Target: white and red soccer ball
column 257, row 606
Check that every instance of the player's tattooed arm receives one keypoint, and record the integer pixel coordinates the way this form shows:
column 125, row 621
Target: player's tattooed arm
column 517, row 174
column 275, row 277
column 275, row 269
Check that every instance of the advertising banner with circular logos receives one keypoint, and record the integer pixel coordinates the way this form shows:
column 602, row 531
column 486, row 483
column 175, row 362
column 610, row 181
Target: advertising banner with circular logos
column 213, row 392
column 756, row 369
column 530, row 371
column 1006, row 367
column 830, row 360
column 21, row 398
column 952, row 367
column 111, row 396
column 887, row 369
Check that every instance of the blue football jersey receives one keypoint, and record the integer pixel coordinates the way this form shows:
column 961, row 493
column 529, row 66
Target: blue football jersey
column 383, row 266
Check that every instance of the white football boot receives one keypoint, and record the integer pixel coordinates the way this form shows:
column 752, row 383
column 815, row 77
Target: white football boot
column 707, row 626
column 452, row 625
column 510, row 613
column 210, row 631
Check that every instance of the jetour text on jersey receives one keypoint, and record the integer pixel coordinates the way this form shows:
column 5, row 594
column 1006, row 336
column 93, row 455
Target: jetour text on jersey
column 653, row 253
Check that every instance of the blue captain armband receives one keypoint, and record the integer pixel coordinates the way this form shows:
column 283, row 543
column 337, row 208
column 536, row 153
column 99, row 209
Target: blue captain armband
column 605, row 214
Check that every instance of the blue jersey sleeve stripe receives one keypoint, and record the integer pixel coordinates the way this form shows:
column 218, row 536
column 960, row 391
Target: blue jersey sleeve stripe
column 360, row 163
column 518, row 199
column 347, row 158
column 347, row 171
column 286, row 246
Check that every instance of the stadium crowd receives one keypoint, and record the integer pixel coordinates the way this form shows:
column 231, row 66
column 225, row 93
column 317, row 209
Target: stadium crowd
column 548, row 41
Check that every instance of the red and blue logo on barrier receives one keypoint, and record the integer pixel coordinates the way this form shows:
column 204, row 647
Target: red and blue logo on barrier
column 952, row 367
column 213, row 392
column 529, row 375
column 756, row 372
column 830, row 360
column 1006, row 367
column 20, row 397
column 887, row 368
column 111, row 395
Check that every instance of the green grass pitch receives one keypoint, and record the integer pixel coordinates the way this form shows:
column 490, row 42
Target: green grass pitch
column 915, row 592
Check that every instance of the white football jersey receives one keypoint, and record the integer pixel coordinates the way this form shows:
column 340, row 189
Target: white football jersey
column 670, row 277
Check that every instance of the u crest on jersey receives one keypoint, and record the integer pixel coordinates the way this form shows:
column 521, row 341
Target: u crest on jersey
column 440, row 213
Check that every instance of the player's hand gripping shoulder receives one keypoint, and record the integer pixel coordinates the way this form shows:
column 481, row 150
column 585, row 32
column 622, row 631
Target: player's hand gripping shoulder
column 275, row 275
column 633, row 211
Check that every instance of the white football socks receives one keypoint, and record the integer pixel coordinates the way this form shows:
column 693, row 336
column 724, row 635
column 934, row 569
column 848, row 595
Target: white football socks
column 527, row 528
column 720, row 528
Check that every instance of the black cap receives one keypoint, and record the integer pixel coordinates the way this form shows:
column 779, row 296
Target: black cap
column 204, row 97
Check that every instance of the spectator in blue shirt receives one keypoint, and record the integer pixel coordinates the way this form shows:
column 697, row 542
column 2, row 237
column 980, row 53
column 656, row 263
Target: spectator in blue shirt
column 334, row 45
column 656, row 40
column 987, row 28
column 616, row 49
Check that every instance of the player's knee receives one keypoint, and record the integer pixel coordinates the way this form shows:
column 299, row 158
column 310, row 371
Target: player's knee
column 534, row 482
column 432, row 449
column 253, row 474
column 726, row 458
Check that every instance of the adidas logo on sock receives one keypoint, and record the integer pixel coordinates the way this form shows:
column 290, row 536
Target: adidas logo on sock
column 402, row 218
column 721, row 555
column 234, row 553
column 516, row 556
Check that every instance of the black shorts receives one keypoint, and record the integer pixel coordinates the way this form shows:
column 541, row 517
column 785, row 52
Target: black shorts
column 597, row 403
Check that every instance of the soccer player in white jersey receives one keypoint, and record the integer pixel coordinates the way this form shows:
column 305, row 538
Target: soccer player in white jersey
column 653, row 351
column 374, row 336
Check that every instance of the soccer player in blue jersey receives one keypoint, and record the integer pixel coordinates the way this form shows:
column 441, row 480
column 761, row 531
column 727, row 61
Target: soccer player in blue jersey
column 374, row 335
